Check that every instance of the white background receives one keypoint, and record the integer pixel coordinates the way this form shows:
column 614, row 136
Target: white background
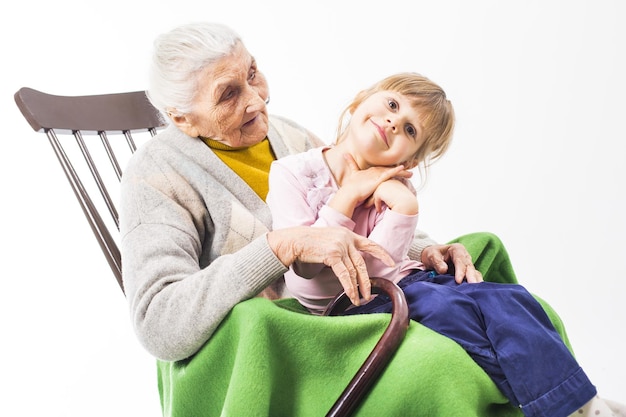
column 539, row 89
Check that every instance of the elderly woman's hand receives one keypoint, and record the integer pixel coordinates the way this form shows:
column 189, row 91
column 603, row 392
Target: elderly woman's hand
column 335, row 247
column 439, row 257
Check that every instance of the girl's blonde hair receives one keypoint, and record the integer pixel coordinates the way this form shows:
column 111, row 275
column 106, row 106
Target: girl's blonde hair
column 436, row 113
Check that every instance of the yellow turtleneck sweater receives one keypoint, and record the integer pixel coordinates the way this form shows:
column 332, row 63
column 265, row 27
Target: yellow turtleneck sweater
column 252, row 164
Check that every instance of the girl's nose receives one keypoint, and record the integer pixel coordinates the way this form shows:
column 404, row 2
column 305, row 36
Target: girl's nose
column 391, row 122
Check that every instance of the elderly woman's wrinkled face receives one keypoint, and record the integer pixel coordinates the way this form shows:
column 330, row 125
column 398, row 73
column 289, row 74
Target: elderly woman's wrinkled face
column 229, row 106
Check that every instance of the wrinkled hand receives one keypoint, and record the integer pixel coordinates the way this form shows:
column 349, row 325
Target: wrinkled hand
column 441, row 257
column 336, row 247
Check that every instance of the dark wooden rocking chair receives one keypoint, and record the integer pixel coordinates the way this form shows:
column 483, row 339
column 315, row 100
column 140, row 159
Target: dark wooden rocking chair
column 132, row 117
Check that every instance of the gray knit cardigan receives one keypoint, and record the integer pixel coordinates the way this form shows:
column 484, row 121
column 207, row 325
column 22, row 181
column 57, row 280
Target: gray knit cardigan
column 193, row 238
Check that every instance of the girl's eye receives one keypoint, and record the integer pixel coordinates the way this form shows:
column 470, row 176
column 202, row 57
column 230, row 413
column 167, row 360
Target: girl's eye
column 411, row 131
column 393, row 105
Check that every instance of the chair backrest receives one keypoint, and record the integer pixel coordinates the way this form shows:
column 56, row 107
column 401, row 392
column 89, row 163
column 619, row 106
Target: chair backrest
column 71, row 124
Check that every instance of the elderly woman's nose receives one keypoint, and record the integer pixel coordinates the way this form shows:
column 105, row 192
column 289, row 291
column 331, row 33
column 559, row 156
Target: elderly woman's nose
column 256, row 100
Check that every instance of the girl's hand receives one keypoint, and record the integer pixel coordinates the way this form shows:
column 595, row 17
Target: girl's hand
column 358, row 185
column 395, row 195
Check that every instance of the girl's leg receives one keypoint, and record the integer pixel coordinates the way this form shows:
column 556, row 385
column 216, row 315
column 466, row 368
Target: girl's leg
column 542, row 373
column 507, row 333
column 492, row 259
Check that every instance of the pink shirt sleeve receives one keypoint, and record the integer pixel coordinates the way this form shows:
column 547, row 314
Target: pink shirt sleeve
column 394, row 232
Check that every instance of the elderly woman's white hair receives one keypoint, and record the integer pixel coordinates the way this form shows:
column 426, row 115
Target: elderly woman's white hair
column 179, row 56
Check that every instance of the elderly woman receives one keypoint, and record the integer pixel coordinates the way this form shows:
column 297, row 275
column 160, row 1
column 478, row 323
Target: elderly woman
column 198, row 250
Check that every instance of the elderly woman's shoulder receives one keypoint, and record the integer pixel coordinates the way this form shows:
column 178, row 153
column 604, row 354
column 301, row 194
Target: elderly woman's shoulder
column 278, row 119
column 294, row 133
column 169, row 144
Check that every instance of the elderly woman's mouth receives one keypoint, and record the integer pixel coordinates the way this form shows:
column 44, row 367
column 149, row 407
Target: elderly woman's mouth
column 250, row 122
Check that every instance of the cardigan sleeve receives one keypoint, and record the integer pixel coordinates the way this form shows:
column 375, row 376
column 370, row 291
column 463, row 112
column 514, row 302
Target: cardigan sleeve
column 421, row 241
column 176, row 304
column 193, row 239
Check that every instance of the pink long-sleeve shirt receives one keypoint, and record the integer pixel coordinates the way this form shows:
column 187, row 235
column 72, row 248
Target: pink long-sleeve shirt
column 300, row 186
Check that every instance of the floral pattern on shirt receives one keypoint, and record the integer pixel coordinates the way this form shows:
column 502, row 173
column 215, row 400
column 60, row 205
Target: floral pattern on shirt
column 318, row 182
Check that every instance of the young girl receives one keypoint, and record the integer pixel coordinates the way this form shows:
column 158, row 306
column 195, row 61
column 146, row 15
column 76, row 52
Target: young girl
column 362, row 182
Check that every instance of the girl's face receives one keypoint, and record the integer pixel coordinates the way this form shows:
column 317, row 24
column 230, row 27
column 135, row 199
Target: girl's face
column 229, row 106
column 385, row 130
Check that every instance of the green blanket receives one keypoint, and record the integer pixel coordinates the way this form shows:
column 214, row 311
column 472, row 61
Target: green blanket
column 273, row 359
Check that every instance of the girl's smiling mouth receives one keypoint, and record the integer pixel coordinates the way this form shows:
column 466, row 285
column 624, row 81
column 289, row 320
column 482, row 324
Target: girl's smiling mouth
column 381, row 132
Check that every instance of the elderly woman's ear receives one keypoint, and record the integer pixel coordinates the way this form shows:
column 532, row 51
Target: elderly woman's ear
column 183, row 122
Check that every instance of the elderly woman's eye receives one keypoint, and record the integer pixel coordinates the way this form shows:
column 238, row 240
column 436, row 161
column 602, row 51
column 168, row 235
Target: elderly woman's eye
column 252, row 75
column 228, row 94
